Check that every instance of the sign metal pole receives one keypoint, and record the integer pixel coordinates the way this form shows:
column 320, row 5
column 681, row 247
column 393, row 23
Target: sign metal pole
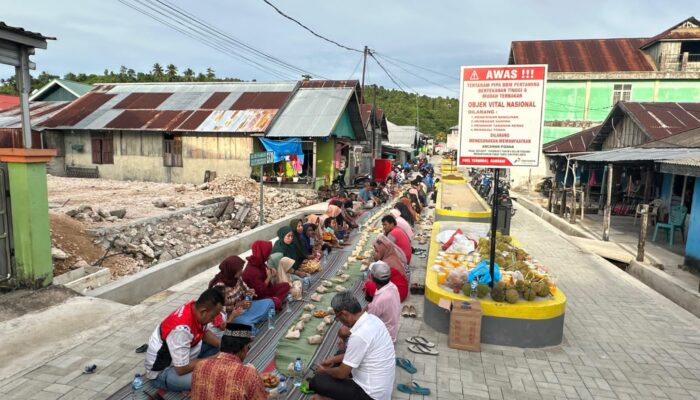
column 494, row 222
column 262, row 197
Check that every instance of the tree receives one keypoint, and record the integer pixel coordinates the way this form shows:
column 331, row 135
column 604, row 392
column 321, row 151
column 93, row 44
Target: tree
column 157, row 72
column 171, row 72
column 211, row 75
column 188, row 75
column 306, row 77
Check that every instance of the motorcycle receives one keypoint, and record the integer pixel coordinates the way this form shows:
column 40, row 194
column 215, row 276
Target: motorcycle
column 546, row 185
column 338, row 183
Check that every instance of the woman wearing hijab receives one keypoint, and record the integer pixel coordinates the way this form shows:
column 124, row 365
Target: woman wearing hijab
column 259, row 277
column 285, row 245
column 237, row 309
column 405, row 213
column 402, row 223
column 297, row 226
column 308, row 238
column 385, row 250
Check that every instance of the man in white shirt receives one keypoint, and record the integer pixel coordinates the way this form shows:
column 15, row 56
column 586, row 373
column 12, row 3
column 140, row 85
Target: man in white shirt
column 369, row 357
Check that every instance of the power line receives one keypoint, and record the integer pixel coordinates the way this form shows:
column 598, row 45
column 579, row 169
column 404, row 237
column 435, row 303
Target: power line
column 356, row 66
column 416, row 75
column 280, row 12
column 199, row 36
column 456, row 76
column 388, row 73
column 242, row 45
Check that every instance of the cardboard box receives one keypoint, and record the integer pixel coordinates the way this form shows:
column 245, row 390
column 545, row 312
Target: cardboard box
column 465, row 326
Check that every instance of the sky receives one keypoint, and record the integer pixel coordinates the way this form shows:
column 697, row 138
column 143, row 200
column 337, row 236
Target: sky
column 439, row 35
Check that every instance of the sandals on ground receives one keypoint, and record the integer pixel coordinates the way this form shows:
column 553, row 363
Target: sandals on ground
column 413, row 388
column 406, row 364
column 420, row 349
column 420, row 340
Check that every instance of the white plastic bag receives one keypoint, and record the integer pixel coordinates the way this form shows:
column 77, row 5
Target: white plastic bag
column 461, row 244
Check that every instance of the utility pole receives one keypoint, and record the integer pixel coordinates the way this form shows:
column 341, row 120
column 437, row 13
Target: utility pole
column 364, row 68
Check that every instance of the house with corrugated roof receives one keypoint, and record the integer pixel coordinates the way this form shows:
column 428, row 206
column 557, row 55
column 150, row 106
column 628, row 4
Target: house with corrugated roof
column 177, row 132
column 586, row 77
column 60, row 90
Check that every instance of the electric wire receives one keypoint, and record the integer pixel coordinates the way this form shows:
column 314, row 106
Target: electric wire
column 237, row 42
column 415, row 75
column 280, row 12
column 356, row 66
column 202, row 39
column 456, row 76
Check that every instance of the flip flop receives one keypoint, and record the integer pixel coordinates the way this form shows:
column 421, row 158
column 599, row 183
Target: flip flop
column 413, row 388
column 142, row 348
column 90, row 369
column 420, row 349
column 420, row 340
column 406, row 364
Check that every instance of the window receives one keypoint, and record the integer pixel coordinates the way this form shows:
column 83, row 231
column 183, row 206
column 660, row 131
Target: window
column 172, row 150
column 102, row 148
column 621, row 93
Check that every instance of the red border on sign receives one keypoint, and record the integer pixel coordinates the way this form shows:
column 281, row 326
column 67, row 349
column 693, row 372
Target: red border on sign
column 503, row 74
column 490, row 161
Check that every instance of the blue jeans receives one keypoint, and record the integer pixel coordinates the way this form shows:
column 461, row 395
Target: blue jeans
column 257, row 312
column 169, row 380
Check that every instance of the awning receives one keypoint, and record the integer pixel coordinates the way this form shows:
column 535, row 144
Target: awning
column 635, row 154
column 283, row 148
column 683, row 166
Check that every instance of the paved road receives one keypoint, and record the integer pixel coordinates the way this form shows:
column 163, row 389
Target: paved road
column 622, row 341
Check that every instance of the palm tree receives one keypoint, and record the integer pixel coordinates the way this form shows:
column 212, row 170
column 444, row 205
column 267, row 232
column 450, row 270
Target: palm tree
column 171, row 72
column 211, row 75
column 188, row 75
column 157, row 72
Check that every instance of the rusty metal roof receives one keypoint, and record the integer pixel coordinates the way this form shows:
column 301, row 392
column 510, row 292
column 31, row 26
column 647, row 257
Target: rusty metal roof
column 576, row 143
column 243, row 107
column 636, row 154
column 687, row 29
column 39, row 111
column 586, row 55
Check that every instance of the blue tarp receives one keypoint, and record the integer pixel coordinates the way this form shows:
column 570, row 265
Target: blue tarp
column 283, row 148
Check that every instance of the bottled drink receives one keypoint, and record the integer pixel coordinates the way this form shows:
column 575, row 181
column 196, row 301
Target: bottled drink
column 298, row 369
column 365, row 275
column 289, row 302
column 306, row 283
column 282, row 387
column 324, row 258
column 271, row 319
column 473, row 291
column 137, row 387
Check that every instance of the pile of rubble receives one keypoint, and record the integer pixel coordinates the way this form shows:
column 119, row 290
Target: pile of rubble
column 89, row 214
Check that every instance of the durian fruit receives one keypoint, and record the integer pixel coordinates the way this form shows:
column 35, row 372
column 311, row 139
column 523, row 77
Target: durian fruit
column 512, row 295
column 498, row 293
column 542, row 289
column 520, row 286
column 529, row 293
column 508, row 239
column 482, row 290
column 500, row 260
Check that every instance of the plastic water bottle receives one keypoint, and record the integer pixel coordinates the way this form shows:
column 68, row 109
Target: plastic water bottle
column 324, row 258
column 271, row 319
column 282, row 387
column 473, row 291
column 365, row 275
column 289, row 302
column 306, row 283
column 298, row 369
column 137, row 387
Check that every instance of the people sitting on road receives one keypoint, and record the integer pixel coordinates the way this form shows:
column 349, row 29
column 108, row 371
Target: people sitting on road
column 329, row 232
column 259, row 277
column 375, row 193
column 388, row 252
column 405, row 213
column 436, row 187
column 367, row 369
column 336, row 209
column 397, row 236
column 367, row 196
column 176, row 343
column 236, row 307
column 415, row 200
column 308, row 238
column 402, row 223
column 225, row 376
column 385, row 301
column 406, row 201
column 283, row 267
column 297, row 226
column 285, row 244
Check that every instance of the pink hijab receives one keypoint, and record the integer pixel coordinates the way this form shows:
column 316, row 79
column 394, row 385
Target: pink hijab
column 402, row 223
column 385, row 250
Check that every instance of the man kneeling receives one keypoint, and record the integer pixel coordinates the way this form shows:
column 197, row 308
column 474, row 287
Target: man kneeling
column 369, row 356
column 176, row 343
column 225, row 376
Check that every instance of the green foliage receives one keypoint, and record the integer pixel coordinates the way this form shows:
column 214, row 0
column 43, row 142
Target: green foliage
column 158, row 73
column 435, row 114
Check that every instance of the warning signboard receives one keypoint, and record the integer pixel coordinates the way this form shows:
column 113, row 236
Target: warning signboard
column 501, row 111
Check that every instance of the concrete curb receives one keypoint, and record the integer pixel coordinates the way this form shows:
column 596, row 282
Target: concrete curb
column 135, row 288
column 554, row 220
column 669, row 286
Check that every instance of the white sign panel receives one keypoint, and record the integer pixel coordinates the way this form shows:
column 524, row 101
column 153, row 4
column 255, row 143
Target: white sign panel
column 501, row 112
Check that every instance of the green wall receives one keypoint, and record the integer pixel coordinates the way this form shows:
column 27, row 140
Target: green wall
column 57, row 94
column 30, row 224
column 325, row 157
column 344, row 128
column 566, row 100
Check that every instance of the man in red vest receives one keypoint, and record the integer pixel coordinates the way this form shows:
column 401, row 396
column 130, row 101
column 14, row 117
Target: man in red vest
column 175, row 345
